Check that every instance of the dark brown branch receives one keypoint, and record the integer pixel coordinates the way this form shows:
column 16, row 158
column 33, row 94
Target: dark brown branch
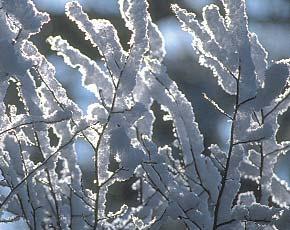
column 278, row 150
column 225, row 177
column 191, row 147
column 31, row 123
column 249, row 141
column 39, row 167
column 277, row 105
column 246, row 101
column 96, row 212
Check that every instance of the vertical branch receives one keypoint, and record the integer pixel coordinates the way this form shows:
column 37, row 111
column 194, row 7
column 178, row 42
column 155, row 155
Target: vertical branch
column 53, row 194
column 27, row 183
column 30, row 225
column 102, row 133
column 260, row 192
column 232, row 133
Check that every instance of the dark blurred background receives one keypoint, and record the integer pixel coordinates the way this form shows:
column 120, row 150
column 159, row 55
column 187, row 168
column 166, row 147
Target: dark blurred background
column 269, row 19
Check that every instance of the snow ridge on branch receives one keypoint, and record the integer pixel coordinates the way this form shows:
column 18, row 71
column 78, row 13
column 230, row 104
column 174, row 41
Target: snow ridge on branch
column 200, row 191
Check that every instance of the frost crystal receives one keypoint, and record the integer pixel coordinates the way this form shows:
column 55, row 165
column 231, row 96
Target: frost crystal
column 200, row 191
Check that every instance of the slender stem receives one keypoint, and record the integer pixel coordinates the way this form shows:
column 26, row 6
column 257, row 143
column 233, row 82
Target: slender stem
column 36, row 169
column 155, row 186
column 96, row 210
column 262, row 158
column 277, row 105
column 224, row 179
column 259, row 196
column 27, row 184
column 31, row 123
column 196, row 166
column 49, row 182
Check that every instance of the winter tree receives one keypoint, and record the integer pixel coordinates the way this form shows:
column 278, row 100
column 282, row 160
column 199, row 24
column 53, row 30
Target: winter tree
column 195, row 189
